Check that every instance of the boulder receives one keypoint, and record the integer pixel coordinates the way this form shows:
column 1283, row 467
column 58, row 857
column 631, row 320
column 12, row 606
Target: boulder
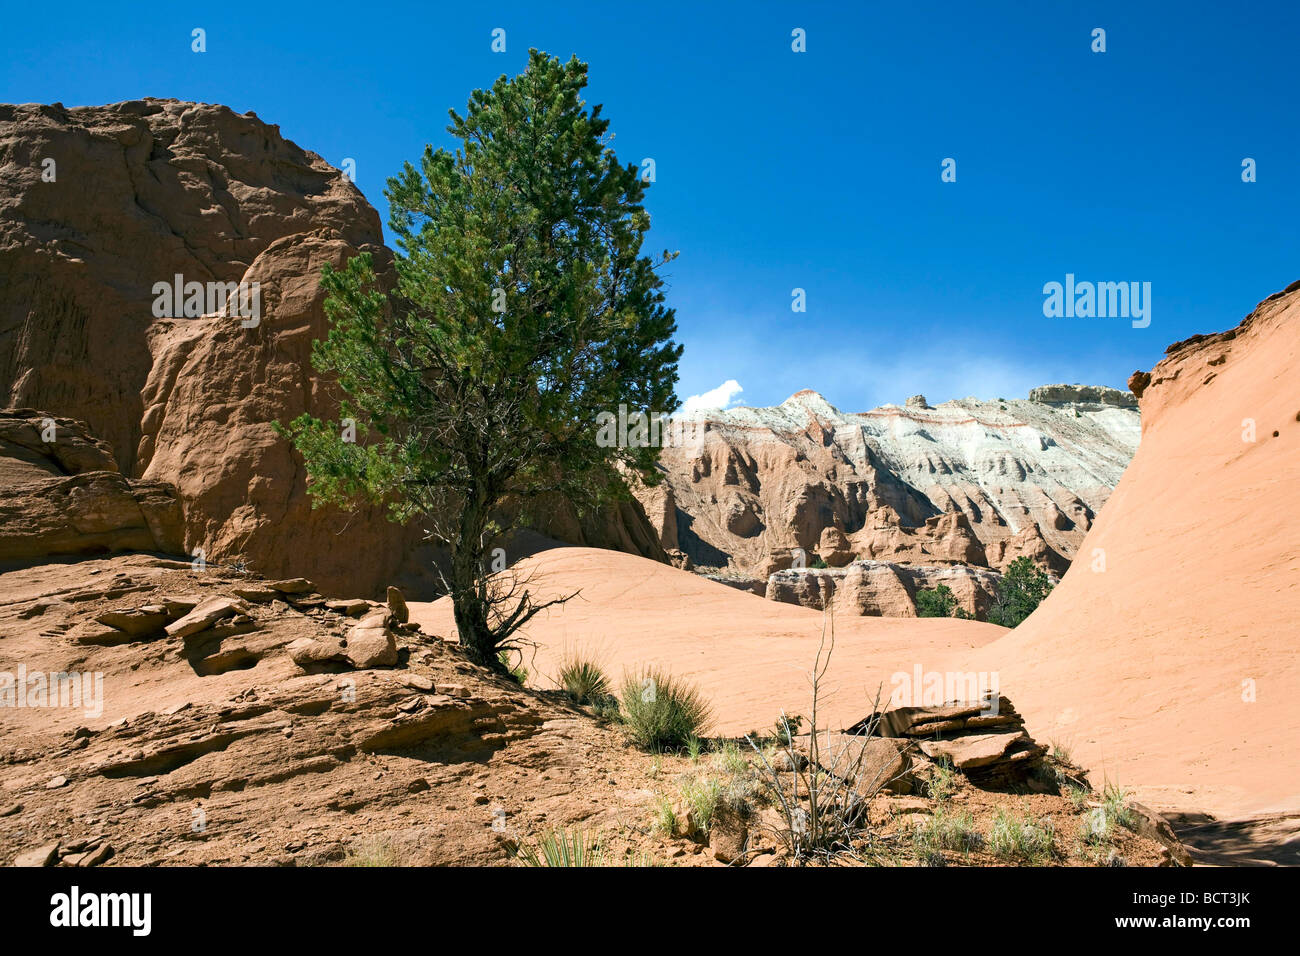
column 292, row 586
column 871, row 764
column 308, row 653
column 1146, row 822
column 397, row 606
column 206, row 614
column 728, row 834
column 370, row 642
column 354, row 607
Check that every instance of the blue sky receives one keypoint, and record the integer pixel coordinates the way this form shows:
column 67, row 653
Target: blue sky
column 817, row 170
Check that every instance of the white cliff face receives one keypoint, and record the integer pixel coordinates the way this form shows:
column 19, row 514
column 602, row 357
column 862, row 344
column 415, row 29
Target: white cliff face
column 1015, row 477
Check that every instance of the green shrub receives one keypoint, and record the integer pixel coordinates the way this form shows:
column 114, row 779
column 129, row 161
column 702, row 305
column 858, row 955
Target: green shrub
column 583, row 680
column 562, row 848
column 729, row 759
column 943, row 830
column 1022, row 589
column 518, row 672
column 942, row 783
column 662, row 712
column 1099, row 824
column 702, row 796
column 936, row 602
column 1021, row 839
column 665, row 817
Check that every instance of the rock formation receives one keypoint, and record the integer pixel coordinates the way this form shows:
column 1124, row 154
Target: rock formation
column 145, row 191
column 884, row 588
column 61, row 493
column 985, row 739
column 1192, row 608
column 969, row 482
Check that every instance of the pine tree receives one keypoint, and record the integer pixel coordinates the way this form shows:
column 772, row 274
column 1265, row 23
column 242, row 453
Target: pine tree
column 1023, row 587
column 522, row 309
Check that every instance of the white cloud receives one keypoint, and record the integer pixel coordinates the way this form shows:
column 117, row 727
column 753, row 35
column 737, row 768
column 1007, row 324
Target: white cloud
column 724, row 396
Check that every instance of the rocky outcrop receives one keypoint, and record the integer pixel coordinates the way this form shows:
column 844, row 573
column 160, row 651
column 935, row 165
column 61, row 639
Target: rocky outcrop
column 884, row 588
column 61, row 494
column 983, row 739
column 967, row 482
column 1082, row 395
column 136, row 194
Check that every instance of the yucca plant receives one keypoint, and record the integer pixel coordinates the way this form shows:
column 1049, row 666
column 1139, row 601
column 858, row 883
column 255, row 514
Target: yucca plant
column 583, row 680
column 662, row 712
column 562, row 848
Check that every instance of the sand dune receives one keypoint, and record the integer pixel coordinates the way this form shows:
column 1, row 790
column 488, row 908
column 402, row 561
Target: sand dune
column 749, row 656
column 1146, row 669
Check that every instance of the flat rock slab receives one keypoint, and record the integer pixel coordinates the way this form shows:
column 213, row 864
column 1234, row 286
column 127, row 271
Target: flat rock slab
column 46, row 855
column 206, row 614
column 137, row 622
column 349, row 607
column 977, row 750
column 292, row 586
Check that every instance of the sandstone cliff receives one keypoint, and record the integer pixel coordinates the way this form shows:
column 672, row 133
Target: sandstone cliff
column 61, row 494
column 135, row 194
column 968, row 482
column 1193, row 610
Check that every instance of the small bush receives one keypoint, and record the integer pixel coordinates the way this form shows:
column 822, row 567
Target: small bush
column 943, row 830
column 662, row 712
column 562, row 848
column 786, row 729
column 665, row 817
column 1099, row 825
column 702, row 796
column 942, row 783
column 728, row 758
column 583, row 680
column 1021, row 839
column 518, row 672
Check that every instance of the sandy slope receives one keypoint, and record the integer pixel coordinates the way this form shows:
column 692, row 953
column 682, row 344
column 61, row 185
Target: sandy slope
column 749, row 656
column 1142, row 668
column 1139, row 670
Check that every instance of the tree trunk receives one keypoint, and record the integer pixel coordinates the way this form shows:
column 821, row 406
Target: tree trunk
column 471, row 610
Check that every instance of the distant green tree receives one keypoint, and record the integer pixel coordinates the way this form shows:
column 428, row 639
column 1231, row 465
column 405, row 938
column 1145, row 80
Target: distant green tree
column 940, row 602
column 523, row 310
column 1023, row 588
column 935, row 602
